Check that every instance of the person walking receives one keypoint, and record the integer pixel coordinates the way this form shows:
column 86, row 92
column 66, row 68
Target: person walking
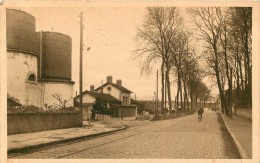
column 200, row 112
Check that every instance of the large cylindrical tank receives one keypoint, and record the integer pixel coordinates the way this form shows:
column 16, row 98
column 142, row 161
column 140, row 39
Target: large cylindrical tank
column 22, row 77
column 22, row 53
column 51, row 88
column 20, row 34
column 56, row 56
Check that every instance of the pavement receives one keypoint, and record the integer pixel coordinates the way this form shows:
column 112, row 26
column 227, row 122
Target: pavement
column 240, row 130
column 27, row 141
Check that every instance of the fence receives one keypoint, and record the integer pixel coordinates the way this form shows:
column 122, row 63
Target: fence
column 31, row 122
column 100, row 117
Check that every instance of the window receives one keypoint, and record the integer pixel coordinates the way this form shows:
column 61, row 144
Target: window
column 125, row 100
column 31, row 77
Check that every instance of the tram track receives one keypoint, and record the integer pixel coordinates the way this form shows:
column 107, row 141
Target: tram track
column 97, row 141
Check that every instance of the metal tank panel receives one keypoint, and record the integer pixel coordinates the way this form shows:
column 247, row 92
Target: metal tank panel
column 21, row 35
column 56, row 56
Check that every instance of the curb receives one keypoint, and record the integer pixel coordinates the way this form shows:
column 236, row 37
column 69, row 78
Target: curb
column 241, row 151
column 31, row 147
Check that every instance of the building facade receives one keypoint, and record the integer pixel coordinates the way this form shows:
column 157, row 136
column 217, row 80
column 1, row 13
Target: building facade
column 89, row 98
column 126, row 110
column 38, row 63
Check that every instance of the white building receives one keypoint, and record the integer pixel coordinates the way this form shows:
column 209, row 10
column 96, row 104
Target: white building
column 38, row 63
column 126, row 110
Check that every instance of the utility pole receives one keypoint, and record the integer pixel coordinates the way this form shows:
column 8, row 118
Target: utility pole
column 165, row 94
column 156, row 94
column 154, row 100
column 230, row 100
column 80, row 70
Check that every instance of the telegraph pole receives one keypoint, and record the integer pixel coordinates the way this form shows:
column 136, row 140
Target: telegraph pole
column 156, row 107
column 80, row 70
column 165, row 94
column 231, row 91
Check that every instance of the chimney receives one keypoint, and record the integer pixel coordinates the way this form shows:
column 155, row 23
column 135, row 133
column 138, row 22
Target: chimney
column 92, row 88
column 109, row 79
column 119, row 82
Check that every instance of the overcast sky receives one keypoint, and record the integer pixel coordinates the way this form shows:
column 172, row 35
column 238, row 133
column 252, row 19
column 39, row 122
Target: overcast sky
column 110, row 32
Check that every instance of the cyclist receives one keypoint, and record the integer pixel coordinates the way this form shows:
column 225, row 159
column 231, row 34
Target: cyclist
column 200, row 112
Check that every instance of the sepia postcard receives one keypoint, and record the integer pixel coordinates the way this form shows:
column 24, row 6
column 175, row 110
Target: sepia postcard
column 129, row 81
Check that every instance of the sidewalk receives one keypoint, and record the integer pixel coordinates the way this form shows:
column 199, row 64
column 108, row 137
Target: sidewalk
column 241, row 131
column 26, row 141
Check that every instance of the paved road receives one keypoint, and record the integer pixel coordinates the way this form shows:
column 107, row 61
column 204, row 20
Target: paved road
column 181, row 138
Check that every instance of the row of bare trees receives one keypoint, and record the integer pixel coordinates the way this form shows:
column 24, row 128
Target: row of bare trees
column 163, row 39
column 227, row 33
column 225, row 36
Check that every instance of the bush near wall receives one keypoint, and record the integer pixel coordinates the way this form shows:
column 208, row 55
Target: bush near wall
column 35, row 109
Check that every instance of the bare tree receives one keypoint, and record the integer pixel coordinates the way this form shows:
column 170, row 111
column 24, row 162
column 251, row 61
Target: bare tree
column 209, row 22
column 240, row 46
column 154, row 39
column 227, row 32
column 62, row 102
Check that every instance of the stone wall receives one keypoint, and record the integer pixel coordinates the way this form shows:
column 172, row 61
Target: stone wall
column 244, row 112
column 32, row 122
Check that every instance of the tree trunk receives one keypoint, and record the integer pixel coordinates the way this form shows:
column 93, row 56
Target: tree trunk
column 178, row 93
column 191, row 100
column 224, row 44
column 186, row 96
column 162, row 71
column 221, row 91
column 169, row 90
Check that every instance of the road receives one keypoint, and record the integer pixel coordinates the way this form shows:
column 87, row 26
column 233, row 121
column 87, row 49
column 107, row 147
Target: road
column 180, row 138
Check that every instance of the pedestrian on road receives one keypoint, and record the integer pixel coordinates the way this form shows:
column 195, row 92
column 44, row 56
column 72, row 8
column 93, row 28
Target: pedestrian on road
column 200, row 112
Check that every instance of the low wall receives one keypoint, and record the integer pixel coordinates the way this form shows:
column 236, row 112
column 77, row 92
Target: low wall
column 244, row 112
column 31, row 122
column 127, row 113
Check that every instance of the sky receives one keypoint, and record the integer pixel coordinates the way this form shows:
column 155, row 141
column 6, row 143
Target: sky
column 110, row 33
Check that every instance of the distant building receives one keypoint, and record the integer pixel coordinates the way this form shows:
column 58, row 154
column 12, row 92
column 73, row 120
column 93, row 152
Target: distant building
column 116, row 90
column 89, row 98
column 126, row 110
column 38, row 63
column 121, row 104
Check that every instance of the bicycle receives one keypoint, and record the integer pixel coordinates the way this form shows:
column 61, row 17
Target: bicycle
column 199, row 117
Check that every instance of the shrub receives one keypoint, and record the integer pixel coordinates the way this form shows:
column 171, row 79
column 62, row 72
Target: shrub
column 24, row 109
column 35, row 109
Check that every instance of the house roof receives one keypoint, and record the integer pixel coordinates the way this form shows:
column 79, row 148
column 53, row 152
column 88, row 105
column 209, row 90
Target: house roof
column 121, row 88
column 102, row 97
column 134, row 101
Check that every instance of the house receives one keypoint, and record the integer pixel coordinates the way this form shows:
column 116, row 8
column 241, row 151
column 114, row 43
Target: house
column 89, row 98
column 126, row 110
column 114, row 95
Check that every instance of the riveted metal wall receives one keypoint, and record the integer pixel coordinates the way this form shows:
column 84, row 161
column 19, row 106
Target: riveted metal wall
column 21, row 35
column 56, row 56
